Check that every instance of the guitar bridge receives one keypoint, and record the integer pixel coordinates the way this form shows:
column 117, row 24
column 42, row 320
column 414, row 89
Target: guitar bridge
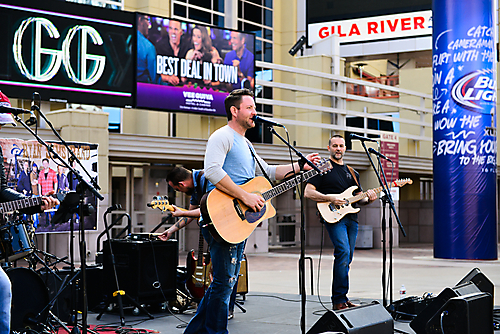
column 237, row 208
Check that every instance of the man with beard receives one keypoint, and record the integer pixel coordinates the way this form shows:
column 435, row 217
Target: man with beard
column 243, row 59
column 344, row 232
column 174, row 46
column 230, row 161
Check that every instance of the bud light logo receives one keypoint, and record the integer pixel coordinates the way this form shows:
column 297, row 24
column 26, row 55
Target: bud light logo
column 475, row 90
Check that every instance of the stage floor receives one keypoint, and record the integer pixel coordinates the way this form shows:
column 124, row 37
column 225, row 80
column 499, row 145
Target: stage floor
column 273, row 302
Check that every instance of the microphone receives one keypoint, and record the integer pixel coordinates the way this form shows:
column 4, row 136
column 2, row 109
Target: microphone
column 35, row 106
column 374, row 151
column 266, row 121
column 355, row 136
column 13, row 111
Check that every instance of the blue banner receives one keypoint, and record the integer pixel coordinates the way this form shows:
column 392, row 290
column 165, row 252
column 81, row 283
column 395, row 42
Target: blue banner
column 464, row 148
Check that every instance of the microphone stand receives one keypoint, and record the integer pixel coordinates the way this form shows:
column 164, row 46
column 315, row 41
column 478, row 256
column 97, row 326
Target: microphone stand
column 302, row 276
column 388, row 200
column 82, row 186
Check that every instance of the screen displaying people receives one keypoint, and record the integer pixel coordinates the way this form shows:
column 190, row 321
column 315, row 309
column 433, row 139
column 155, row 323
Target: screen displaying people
column 195, row 66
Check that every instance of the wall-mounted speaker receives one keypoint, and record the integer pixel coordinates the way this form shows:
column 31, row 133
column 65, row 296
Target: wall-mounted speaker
column 365, row 319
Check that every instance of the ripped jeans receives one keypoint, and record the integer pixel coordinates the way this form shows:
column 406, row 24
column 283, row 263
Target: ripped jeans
column 211, row 315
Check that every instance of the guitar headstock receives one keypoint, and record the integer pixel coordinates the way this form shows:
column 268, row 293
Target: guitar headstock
column 325, row 165
column 160, row 202
column 402, row 182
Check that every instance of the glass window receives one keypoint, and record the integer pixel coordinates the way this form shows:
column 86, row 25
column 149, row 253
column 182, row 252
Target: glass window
column 268, row 34
column 258, row 2
column 252, row 28
column 268, row 18
column 219, row 6
column 199, row 15
column 268, row 52
column 179, row 10
column 252, row 13
column 218, row 20
column 268, row 3
column 201, row 3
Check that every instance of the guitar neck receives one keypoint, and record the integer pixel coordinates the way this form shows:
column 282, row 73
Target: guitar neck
column 200, row 249
column 359, row 197
column 293, row 182
column 20, row 204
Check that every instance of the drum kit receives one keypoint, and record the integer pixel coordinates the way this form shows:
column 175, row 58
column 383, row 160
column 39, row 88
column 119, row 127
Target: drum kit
column 31, row 304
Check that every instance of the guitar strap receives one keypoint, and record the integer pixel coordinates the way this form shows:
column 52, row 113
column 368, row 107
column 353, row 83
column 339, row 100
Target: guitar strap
column 200, row 191
column 258, row 162
column 351, row 170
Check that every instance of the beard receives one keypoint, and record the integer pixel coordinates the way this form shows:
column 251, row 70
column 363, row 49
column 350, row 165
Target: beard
column 189, row 192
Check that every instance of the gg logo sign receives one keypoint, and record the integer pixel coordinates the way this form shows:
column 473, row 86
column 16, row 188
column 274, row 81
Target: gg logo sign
column 90, row 67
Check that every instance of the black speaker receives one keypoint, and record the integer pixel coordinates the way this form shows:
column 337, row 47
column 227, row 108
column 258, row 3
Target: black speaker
column 146, row 270
column 365, row 319
column 467, row 314
column 418, row 324
column 480, row 280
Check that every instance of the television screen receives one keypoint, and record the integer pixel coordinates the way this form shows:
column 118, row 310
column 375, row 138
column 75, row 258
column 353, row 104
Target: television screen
column 190, row 68
column 67, row 52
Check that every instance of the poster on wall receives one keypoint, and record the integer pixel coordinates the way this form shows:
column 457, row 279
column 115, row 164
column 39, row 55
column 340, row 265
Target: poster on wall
column 31, row 171
column 190, row 68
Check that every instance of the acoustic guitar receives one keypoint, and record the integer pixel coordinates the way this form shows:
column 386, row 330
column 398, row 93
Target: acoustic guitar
column 232, row 221
column 332, row 213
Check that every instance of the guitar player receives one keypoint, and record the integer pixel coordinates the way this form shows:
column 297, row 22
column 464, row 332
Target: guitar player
column 343, row 233
column 230, row 161
column 193, row 184
column 7, row 194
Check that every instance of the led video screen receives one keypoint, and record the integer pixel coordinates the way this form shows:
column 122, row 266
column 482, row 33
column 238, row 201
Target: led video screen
column 190, row 68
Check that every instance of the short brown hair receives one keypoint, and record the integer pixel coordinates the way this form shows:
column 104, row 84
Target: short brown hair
column 334, row 136
column 178, row 174
column 234, row 99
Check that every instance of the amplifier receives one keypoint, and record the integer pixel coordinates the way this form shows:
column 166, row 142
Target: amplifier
column 146, row 270
column 242, row 287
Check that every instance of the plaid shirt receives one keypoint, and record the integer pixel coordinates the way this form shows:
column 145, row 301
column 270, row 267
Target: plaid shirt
column 47, row 184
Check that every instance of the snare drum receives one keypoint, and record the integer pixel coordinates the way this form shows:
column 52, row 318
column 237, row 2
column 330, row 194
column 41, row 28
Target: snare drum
column 15, row 242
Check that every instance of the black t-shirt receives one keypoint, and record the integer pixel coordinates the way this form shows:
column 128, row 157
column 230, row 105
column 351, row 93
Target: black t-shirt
column 336, row 182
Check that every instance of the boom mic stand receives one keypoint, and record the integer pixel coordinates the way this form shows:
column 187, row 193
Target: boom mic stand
column 302, row 276
column 388, row 200
column 83, row 185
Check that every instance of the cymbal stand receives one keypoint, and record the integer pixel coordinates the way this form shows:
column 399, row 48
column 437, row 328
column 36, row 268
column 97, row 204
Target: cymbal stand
column 118, row 293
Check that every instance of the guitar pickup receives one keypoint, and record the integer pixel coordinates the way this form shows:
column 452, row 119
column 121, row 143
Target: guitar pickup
column 237, row 208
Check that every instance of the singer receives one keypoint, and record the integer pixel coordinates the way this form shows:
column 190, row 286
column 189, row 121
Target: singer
column 343, row 234
column 230, row 160
column 7, row 194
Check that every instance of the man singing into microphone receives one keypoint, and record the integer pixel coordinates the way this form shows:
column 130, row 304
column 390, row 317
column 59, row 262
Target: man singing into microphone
column 344, row 232
column 7, row 194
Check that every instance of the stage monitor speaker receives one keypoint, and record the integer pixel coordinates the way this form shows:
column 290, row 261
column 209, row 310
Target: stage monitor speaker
column 418, row 324
column 365, row 319
column 469, row 314
column 146, row 270
column 480, row 280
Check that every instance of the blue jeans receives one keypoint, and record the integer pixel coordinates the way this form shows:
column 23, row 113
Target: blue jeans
column 343, row 236
column 5, row 301
column 211, row 315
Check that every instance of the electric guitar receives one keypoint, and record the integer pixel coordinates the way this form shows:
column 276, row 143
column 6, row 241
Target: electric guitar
column 232, row 221
column 333, row 213
column 20, row 204
column 199, row 269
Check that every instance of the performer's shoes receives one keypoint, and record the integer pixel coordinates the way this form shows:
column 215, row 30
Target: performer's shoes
column 350, row 304
column 340, row 306
column 230, row 315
